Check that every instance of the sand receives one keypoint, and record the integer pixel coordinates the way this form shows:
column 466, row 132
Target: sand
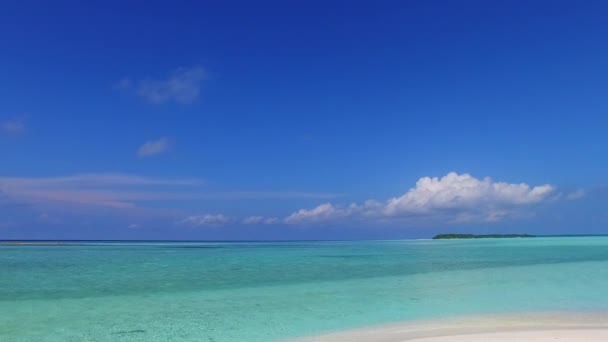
column 531, row 336
column 540, row 327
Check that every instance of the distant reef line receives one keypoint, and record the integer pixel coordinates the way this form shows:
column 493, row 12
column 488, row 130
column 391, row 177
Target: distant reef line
column 32, row 243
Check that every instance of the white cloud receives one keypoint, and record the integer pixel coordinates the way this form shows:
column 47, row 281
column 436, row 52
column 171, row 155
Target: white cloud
column 13, row 126
column 464, row 191
column 323, row 212
column 578, row 194
column 206, row 220
column 461, row 197
column 182, row 86
column 260, row 220
column 155, row 147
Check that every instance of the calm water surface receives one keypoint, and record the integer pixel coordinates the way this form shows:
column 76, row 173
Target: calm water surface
column 274, row 291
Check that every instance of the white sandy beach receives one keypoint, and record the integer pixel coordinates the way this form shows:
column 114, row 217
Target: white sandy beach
column 530, row 336
column 542, row 327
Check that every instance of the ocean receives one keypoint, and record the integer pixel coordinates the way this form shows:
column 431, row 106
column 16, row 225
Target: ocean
column 274, row 291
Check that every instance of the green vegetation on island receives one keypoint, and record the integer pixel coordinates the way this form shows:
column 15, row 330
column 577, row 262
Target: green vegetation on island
column 473, row 236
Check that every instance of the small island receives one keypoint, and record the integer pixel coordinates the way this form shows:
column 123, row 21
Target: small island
column 473, row 236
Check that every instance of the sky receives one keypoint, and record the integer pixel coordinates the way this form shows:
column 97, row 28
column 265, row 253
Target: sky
column 241, row 120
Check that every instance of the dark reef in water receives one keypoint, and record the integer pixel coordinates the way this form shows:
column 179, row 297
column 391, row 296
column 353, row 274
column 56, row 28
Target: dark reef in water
column 32, row 243
column 124, row 332
column 473, row 236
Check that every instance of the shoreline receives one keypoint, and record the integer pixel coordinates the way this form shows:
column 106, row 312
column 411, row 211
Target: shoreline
column 534, row 327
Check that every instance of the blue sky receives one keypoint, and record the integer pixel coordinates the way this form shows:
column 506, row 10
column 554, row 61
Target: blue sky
column 316, row 120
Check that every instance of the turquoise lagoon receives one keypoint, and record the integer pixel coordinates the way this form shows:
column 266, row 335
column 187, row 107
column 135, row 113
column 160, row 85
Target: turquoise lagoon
column 269, row 291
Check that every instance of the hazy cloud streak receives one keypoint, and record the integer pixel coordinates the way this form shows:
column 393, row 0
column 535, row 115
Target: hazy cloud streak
column 117, row 190
column 183, row 86
column 155, row 147
column 14, row 126
column 206, row 220
column 258, row 220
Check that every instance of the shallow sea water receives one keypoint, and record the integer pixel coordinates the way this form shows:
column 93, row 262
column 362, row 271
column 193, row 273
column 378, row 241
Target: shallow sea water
column 274, row 291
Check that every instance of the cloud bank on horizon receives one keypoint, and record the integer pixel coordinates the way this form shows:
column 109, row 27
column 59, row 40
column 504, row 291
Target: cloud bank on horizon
column 147, row 202
column 448, row 199
column 453, row 197
column 456, row 196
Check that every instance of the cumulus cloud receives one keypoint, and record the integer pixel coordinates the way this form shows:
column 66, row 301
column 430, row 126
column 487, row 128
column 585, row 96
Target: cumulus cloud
column 260, row 220
column 455, row 191
column 182, row 86
column 154, row 147
column 206, row 220
column 459, row 196
column 13, row 126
